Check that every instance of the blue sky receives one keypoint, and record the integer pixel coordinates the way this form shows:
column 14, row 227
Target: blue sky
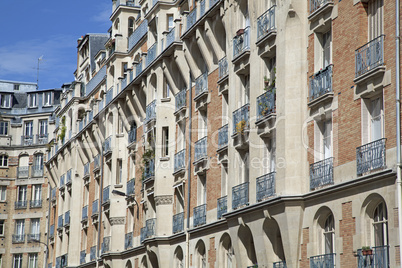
column 32, row 28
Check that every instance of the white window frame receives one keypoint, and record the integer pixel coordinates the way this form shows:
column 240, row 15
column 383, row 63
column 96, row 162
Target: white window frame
column 28, row 128
column 3, row 193
column 32, row 100
column 4, row 128
column 17, row 260
column 33, row 260
column 37, row 192
column 47, row 98
column 380, row 222
column 368, row 118
column 5, row 100
column 3, row 160
column 43, row 127
column 323, row 134
column 2, row 228
column 35, row 226
column 20, row 227
column 329, row 235
column 375, row 19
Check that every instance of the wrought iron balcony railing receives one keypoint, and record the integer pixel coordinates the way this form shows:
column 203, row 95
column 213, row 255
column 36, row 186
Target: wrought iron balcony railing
column 41, row 138
column 143, row 234
column 150, row 111
column 202, row 7
column 321, row 173
column 84, row 213
column 178, row 222
column 149, row 169
column 223, row 136
column 107, row 145
column 95, row 207
column 240, row 195
column 138, row 68
column 370, row 156
column 181, row 99
column 170, row 37
column 95, row 81
column 201, row 84
column 151, row 54
column 266, row 104
column 33, row 237
column 35, row 203
column 325, row 260
column 200, row 215
column 150, row 225
column 92, row 253
column 105, row 195
column 67, row 218
column 200, row 149
column 266, row 23
column 191, row 18
column 320, row 83
column 18, row 238
column 265, row 186
column 138, row 34
column 279, row 264
column 130, row 187
column 106, row 244
column 37, row 171
column 369, row 56
column 241, row 118
column 179, row 160
column 83, row 255
column 23, row 172
column 109, row 96
column 21, row 204
column 317, row 4
column 27, row 140
column 60, row 222
column 222, row 206
column 241, row 43
column 379, row 258
column 223, row 67
column 132, row 135
column 128, row 241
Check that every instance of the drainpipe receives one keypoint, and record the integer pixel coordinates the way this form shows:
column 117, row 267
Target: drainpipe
column 189, row 172
column 398, row 125
column 100, row 203
column 48, row 223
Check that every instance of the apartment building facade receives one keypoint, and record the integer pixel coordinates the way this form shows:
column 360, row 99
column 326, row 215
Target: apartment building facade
column 26, row 125
column 229, row 133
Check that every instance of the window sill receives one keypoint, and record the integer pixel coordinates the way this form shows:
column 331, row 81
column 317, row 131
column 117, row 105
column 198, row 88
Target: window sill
column 165, row 158
column 165, row 99
column 118, row 186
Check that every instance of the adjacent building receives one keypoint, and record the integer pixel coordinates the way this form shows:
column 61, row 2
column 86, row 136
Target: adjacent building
column 229, row 133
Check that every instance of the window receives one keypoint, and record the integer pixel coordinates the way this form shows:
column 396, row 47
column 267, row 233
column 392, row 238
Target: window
column 375, row 18
column 170, row 22
column 16, row 87
column 224, row 183
column 37, row 192
column 269, row 155
column 5, row 100
column 326, row 49
column 33, row 260
column 32, row 100
column 20, row 227
column 202, row 124
column 2, row 228
column 22, row 193
column 35, row 228
column 372, row 119
column 119, row 174
column 42, row 127
column 166, row 89
column 28, row 129
column 323, row 140
column 329, row 235
column 38, row 162
column 165, row 141
column 47, row 99
column 17, row 261
column 3, row 128
column 246, row 92
column 3, row 160
column 202, row 190
column 3, row 191
column 130, row 26
column 380, row 225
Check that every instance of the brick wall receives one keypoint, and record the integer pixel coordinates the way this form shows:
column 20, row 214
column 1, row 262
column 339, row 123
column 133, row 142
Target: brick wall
column 347, row 228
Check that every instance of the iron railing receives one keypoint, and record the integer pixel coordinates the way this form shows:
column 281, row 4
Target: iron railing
column 23, row 172
column 179, row 160
column 37, row 171
column 213, row 2
column 279, row 264
column 150, row 225
column 67, row 218
column 320, row 83
column 266, row 104
column 109, row 96
column 139, row 33
column 223, row 67
column 149, row 169
column 138, row 68
column 18, row 238
column 200, row 149
column 151, row 54
column 35, row 203
column 33, row 237
column 130, row 187
column 92, row 253
column 105, row 195
column 143, row 234
column 323, row 261
column 27, row 140
column 83, row 255
column 191, row 18
column 68, row 177
column 321, row 173
column 95, row 207
column 86, row 169
column 170, row 37
column 21, row 204
column 241, row 42
column 223, row 136
column 107, row 145
column 266, row 23
column 240, row 195
column 150, row 111
column 84, row 216
column 128, row 241
column 95, row 81
column 201, row 84
column 41, row 138
column 369, row 56
column 241, row 118
column 265, row 186
column 370, row 156
column 222, row 206
column 178, row 222
column 181, row 99
column 202, row 7
column 106, row 244
column 60, row 222
column 378, row 259
column 316, row 4
column 200, row 215
column 123, row 83
column 132, row 135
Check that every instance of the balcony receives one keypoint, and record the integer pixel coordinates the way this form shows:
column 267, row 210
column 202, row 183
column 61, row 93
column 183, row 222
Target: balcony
column 181, row 100
column 106, row 244
column 179, row 161
column 370, row 157
column 150, row 227
column 178, row 223
column 96, row 80
column 92, row 254
column 241, row 118
column 191, row 18
column 265, row 186
column 222, row 206
column 95, row 208
column 33, row 237
column 41, row 138
column 379, row 258
column 325, row 260
column 266, row 105
column 86, row 169
column 132, row 135
column 37, row 171
column 35, row 203
column 67, row 219
column 62, row 182
column 18, row 238
column 170, row 37
column 22, row 204
column 149, row 170
column 23, row 172
column 137, row 35
column 240, row 196
column 83, row 256
column 279, row 264
column 60, row 222
column 200, row 149
column 223, row 68
column 51, row 231
column 80, row 125
column 107, row 145
column 319, row 7
column 150, row 112
column 266, row 23
column 151, row 54
column 201, row 85
column 200, row 215
column 223, row 137
column 138, row 68
column 241, row 42
column 130, row 187
column 369, row 57
column 320, row 86
column 96, row 163
column 109, row 96
column 321, row 173
column 53, row 194
column 27, row 140
column 143, row 234
column 105, row 196
column 128, row 241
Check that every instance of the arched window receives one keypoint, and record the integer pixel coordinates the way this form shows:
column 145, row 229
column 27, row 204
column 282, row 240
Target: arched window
column 130, row 26
column 329, row 232
column 380, row 225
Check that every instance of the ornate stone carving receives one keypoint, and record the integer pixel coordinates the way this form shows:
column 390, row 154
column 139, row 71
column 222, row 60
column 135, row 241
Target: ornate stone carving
column 117, row 221
column 163, row 200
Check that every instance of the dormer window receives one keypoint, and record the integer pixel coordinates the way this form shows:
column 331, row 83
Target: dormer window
column 5, row 100
column 47, row 99
column 32, row 100
column 16, row 87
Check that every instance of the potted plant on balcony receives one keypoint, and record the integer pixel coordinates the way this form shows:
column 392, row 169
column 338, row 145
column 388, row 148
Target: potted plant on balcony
column 366, row 250
column 240, row 32
column 240, row 127
column 63, row 129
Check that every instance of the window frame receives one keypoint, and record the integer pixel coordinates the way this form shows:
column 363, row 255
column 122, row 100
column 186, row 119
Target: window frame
column 4, row 128
column 32, row 100
column 3, row 189
column 2, row 228
column 5, row 100
column 3, row 161
column 20, row 260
